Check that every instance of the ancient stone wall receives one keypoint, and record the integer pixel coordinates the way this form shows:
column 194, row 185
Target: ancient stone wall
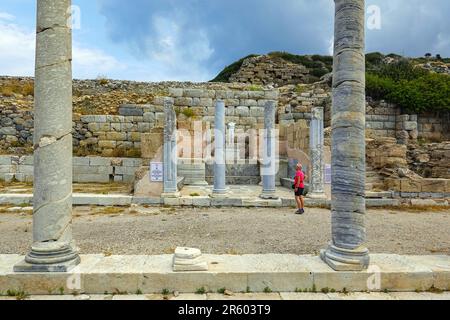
column 85, row 169
column 270, row 70
column 430, row 160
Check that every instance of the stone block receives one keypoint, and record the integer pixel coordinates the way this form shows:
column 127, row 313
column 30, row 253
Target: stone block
column 408, row 185
column 226, row 202
column 176, row 92
column 5, row 160
column 91, row 178
column 125, row 170
column 107, row 144
column 78, row 161
column 130, row 110
column 434, row 185
column 87, row 119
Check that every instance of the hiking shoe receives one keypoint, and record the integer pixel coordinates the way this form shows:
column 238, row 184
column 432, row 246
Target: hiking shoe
column 300, row 211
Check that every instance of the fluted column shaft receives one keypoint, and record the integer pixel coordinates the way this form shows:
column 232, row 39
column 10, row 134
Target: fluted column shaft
column 269, row 161
column 170, row 150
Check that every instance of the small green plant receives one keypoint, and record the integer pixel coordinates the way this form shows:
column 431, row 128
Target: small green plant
column 165, row 292
column 333, row 290
column 201, row 290
column 267, row 290
column 248, row 290
column 325, row 290
column 222, row 290
column 103, row 80
column 18, row 294
column 61, row 291
column 195, row 194
column 138, row 292
column 255, row 88
column 314, row 289
column 386, row 291
column 188, row 113
column 344, row 291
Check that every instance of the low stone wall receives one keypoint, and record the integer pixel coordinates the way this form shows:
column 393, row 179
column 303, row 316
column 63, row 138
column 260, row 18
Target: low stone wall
column 85, row 170
column 237, row 174
column 419, row 188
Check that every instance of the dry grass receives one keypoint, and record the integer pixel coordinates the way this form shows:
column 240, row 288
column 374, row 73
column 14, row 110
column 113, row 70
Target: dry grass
column 110, row 210
column 14, row 86
column 415, row 209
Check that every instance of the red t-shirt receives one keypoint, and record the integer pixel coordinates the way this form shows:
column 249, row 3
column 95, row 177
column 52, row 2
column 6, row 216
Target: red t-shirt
column 300, row 178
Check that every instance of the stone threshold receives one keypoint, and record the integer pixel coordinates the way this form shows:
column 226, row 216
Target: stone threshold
column 99, row 274
column 127, row 200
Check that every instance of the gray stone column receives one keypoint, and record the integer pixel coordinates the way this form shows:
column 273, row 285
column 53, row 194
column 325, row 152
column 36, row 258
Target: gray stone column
column 53, row 249
column 170, row 150
column 219, row 153
column 269, row 161
column 347, row 250
column 316, row 141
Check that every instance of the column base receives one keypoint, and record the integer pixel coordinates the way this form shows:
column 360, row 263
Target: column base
column 346, row 260
column 49, row 257
column 172, row 195
column 220, row 193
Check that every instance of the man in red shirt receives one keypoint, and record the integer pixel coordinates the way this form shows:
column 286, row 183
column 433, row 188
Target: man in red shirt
column 299, row 188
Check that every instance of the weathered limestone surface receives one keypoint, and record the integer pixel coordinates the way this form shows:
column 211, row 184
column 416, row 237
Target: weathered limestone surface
column 347, row 251
column 98, row 274
column 269, row 165
column 53, row 249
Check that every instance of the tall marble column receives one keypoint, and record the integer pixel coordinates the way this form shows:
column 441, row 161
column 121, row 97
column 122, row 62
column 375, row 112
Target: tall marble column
column 347, row 250
column 219, row 153
column 170, row 150
column 269, row 161
column 316, row 141
column 53, row 249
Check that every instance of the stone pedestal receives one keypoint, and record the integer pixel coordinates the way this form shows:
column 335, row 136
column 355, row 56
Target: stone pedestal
column 316, row 136
column 219, row 154
column 170, row 157
column 188, row 260
column 53, row 249
column 193, row 171
column 269, row 160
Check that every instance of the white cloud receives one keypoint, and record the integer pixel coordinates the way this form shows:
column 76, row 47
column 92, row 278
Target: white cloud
column 6, row 16
column 17, row 51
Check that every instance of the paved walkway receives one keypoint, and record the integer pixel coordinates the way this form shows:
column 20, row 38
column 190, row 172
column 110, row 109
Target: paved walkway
column 255, row 296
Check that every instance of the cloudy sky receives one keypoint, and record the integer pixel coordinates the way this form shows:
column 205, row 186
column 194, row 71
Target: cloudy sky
column 156, row 40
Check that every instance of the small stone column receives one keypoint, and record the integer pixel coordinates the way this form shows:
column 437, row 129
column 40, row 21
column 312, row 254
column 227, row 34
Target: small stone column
column 316, row 154
column 220, row 188
column 170, row 151
column 269, row 161
column 53, row 249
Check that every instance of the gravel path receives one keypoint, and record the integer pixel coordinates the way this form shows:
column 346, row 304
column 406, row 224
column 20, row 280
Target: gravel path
column 232, row 231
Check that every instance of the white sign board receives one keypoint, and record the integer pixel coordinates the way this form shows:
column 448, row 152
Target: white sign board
column 156, row 172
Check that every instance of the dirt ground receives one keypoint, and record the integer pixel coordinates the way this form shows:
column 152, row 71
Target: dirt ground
column 231, row 230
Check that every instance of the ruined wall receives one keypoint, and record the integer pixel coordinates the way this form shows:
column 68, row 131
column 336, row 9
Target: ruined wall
column 85, row 169
column 270, row 70
column 430, row 160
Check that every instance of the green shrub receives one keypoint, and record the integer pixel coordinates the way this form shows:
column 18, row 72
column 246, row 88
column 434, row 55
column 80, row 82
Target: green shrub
column 225, row 75
column 411, row 88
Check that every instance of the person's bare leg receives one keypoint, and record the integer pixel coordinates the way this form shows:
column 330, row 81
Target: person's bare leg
column 302, row 202
column 299, row 202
